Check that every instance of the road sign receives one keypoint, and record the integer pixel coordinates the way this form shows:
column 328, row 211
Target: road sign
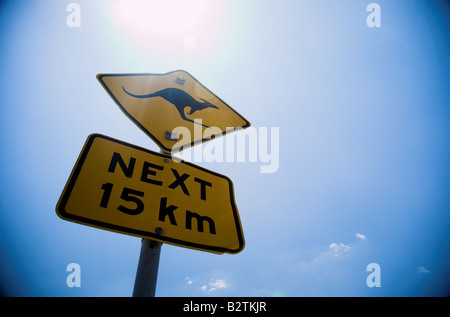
column 160, row 103
column 127, row 189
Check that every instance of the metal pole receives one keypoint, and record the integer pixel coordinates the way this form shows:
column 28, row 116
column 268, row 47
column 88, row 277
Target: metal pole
column 147, row 270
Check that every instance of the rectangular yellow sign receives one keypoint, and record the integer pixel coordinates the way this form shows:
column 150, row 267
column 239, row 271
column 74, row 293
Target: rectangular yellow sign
column 128, row 189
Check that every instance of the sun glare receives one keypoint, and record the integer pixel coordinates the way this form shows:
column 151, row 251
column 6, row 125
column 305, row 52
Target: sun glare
column 169, row 24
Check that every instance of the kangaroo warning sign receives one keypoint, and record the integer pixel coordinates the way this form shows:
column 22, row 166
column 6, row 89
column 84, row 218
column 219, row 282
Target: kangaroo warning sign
column 127, row 189
column 173, row 109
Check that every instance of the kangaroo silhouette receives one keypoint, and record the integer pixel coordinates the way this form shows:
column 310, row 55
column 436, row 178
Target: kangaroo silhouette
column 180, row 99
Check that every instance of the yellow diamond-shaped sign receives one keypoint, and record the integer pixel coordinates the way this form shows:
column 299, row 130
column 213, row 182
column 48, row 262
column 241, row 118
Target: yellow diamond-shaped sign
column 160, row 104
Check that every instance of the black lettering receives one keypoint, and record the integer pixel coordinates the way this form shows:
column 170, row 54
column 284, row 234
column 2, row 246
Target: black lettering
column 146, row 171
column 167, row 211
column 127, row 170
column 200, row 219
column 129, row 194
column 203, row 185
column 179, row 181
column 107, row 188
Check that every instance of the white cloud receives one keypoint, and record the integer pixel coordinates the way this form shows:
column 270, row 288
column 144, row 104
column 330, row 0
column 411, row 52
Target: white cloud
column 188, row 280
column 214, row 285
column 422, row 270
column 219, row 283
column 339, row 249
column 336, row 253
column 330, row 256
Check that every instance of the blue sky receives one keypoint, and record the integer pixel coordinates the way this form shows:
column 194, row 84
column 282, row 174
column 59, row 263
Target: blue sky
column 363, row 117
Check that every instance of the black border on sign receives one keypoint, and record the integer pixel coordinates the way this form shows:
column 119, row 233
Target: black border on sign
column 61, row 211
column 100, row 79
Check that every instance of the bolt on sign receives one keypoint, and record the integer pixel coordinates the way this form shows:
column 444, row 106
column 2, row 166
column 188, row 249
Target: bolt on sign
column 128, row 189
column 160, row 103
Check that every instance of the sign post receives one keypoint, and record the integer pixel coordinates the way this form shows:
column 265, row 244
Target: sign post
column 148, row 265
column 127, row 189
column 147, row 270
